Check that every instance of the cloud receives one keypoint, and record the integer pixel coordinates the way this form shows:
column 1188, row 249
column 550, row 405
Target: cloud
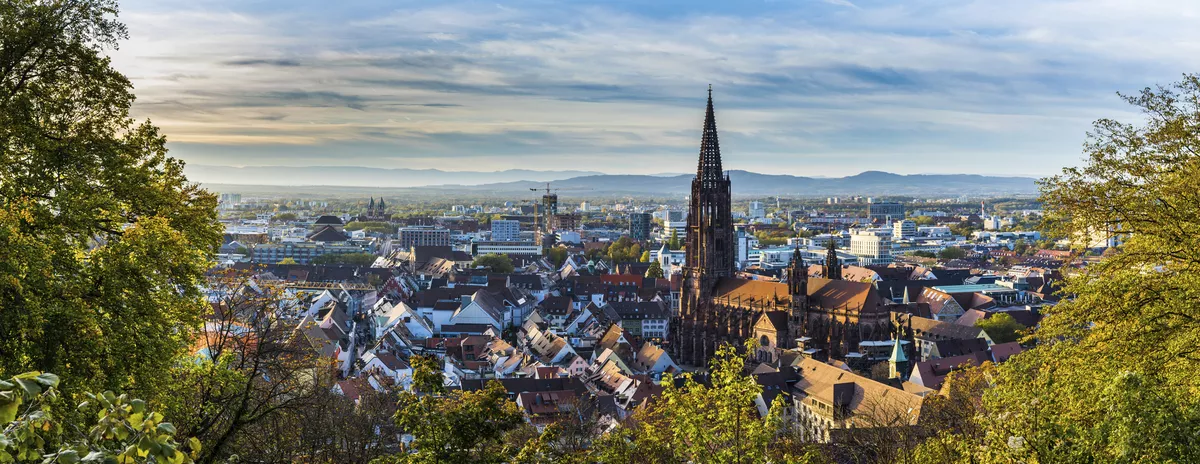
column 973, row 86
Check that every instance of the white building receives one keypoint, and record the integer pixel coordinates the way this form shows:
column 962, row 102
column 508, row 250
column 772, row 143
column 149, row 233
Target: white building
column 871, row 248
column 904, row 229
column 506, row 230
column 756, row 210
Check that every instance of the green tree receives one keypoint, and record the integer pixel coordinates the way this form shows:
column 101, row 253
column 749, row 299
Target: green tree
column 924, row 254
column 715, row 423
column 117, row 428
column 1117, row 383
column 103, row 241
column 499, row 263
column 1001, row 327
column 674, row 242
column 923, row 220
column 655, row 271
column 285, row 217
column 952, row 253
column 557, row 256
column 459, row 426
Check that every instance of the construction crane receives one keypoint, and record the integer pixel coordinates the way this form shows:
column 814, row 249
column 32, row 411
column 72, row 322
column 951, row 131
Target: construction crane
column 550, row 206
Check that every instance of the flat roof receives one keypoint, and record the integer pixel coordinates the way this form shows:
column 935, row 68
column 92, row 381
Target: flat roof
column 977, row 288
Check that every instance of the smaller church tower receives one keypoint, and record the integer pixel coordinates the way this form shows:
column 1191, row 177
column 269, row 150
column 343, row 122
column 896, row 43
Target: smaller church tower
column 371, row 208
column 833, row 266
column 797, row 275
column 379, row 209
column 898, row 362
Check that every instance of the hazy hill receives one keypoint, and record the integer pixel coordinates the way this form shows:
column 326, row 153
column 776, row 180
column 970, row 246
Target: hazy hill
column 357, row 176
column 751, row 183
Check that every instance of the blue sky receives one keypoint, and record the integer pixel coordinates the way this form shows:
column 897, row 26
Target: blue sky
column 806, row 87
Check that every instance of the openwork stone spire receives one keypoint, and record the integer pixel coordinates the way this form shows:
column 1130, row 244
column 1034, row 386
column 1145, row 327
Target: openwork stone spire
column 709, row 167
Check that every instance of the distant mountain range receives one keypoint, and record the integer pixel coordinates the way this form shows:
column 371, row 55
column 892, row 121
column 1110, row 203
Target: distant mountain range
column 357, row 176
column 752, row 183
column 583, row 183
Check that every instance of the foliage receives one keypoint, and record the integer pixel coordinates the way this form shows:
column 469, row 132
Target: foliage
column 461, row 426
column 287, row 261
column 286, row 217
column 924, row 254
column 247, row 371
column 674, row 243
column 695, row 422
column 1001, row 327
column 103, row 241
column 923, row 221
column 773, row 237
column 557, row 256
column 499, row 263
column 624, row 250
column 1117, row 383
column 952, row 253
column 655, row 270
column 376, row 227
column 124, row 429
column 352, row 259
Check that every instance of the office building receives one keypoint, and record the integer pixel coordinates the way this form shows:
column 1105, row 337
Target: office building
column 885, row 212
column 506, row 230
column 871, row 247
column 412, row 236
column 639, row 226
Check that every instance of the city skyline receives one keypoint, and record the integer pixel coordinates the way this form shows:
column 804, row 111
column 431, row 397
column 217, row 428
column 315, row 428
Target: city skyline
column 810, row 88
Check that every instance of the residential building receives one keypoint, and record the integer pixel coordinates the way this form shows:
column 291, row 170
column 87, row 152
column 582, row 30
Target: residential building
column 885, row 212
column 505, row 248
column 640, row 225
column 301, row 252
column 506, row 230
column 411, row 236
column 904, row 229
column 872, row 248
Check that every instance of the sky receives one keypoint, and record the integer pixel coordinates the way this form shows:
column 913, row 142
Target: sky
column 804, row 87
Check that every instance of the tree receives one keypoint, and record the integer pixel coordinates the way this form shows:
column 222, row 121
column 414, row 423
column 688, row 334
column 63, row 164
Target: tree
column 286, row 217
column 118, row 428
column 288, row 261
column 557, row 256
column 1001, row 327
column 952, row 253
column 1117, row 382
column 924, row 254
column 923, row 220
column 645, row 258
column 252, row 368
column 1020, row 247
column 674, row 242
column 103, row 241
column 497, row 262
column 655, row 271
column 624, row 250
column 699, row 423
column 459, row 426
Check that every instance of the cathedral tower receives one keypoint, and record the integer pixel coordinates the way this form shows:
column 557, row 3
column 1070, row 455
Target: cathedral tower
column 710, row 250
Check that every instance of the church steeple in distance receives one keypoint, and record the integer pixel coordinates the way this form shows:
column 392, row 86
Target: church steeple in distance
column 710, row 250
column 708, row 168
column 833, row 266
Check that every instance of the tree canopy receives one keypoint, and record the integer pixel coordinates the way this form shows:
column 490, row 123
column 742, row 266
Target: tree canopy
column 499, row 263
column 1001, row 327
column 103, row 241
column 1117, row 382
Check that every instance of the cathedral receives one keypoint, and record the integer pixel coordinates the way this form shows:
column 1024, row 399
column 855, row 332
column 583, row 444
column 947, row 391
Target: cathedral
column 827, row 317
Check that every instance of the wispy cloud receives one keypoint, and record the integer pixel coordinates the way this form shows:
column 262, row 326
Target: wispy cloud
column 810, row 87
